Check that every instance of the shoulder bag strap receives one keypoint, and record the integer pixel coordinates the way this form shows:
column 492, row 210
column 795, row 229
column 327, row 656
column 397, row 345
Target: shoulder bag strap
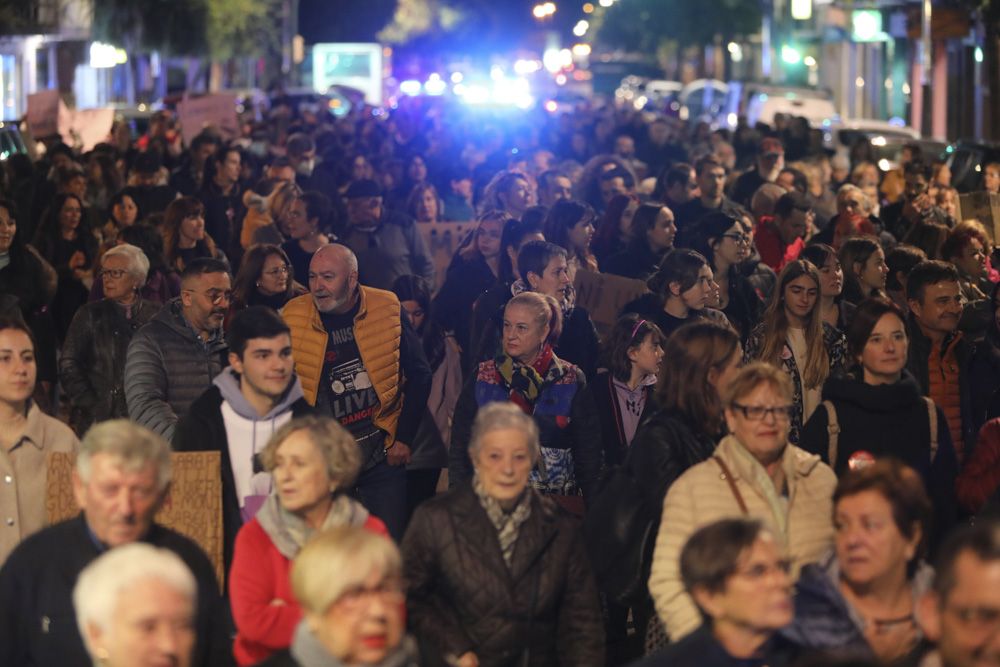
column 933, row 421
column 728, row 476
column 832, row 433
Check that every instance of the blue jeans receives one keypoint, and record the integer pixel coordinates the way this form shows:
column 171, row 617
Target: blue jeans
column 382, row 490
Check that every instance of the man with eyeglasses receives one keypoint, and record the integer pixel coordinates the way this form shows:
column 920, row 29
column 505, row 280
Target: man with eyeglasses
column 174, row 358
column 961, row 613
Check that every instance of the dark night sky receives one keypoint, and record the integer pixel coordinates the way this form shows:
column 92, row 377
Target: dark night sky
column 343, row 20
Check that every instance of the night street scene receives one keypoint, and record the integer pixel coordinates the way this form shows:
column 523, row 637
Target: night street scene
column 478, row 333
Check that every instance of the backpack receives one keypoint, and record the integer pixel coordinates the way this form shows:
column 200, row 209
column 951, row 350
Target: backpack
column 619, row 533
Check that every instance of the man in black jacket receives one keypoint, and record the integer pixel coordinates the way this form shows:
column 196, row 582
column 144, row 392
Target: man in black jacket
column 121, row 479
column 258, row 394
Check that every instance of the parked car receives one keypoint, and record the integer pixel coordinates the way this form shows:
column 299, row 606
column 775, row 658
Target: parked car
column 703, row 99
column 11, row 141
column 966, row 159
column 886, row 139
column 754, row 99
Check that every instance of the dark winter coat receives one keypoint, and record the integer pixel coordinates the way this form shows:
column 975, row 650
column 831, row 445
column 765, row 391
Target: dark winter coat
column 92, row 365
column 37, row 620
column 543, row 611
column 465, row 282
column 702, row 649
column 636, row 261
column 168, row 366
column 650, row 306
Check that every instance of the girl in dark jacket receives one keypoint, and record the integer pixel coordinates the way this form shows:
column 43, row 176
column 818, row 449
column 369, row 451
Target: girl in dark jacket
column 650, row 237
column 865, row 269
column 615, row 228
column 31, row 282
column 724, row 240
column 880, row 411
column 617, row 400
column 473, row 270
column 680, row 292
column 836, row 311
column 66, row 241
column 700, row 359
column 570, row 225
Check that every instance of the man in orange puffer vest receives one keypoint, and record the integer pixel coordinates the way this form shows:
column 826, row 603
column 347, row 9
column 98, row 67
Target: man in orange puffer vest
column 362, row 364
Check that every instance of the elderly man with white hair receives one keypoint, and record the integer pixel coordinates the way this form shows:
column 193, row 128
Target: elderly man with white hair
column 135, row 606
column 121, row 478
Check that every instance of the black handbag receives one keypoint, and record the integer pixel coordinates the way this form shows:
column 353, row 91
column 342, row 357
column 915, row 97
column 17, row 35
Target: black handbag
column 619, row 532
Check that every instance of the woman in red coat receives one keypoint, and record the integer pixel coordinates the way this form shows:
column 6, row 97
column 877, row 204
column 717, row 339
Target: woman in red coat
column 312, row 460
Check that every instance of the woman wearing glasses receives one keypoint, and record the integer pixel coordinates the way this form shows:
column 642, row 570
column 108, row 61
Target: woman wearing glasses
column 264, row 279
column 724, row 240
column 92, row 365
column 754, row 473
column 794, row 337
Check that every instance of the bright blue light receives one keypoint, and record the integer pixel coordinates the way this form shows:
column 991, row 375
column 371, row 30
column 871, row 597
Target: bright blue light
column 410, row 87
column 435, row 85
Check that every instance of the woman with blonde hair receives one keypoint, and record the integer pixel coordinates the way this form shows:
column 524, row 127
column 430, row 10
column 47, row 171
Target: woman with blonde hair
column 310, row 464
column 529, row 374
column 793, row 336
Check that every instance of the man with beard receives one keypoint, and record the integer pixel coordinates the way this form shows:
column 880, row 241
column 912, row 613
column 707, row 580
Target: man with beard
column 174, row 358
column 770, row 161
column 961, row 378
column 247, row 402
column 361, row 363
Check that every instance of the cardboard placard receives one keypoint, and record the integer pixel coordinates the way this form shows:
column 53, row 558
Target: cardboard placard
column 193, row 505
column 604, row 295
column 88, row 127
column 442, row 240
column 217, row 110
column 43, row 113
column 984, row 207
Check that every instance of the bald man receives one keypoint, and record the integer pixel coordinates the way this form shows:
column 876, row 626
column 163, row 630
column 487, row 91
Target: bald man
column 361, row 363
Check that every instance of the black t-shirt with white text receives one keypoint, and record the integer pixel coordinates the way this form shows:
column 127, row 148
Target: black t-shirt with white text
column 345, row 389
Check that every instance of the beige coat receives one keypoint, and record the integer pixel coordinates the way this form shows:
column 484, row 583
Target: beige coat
column 702, row 495
column 23, row 472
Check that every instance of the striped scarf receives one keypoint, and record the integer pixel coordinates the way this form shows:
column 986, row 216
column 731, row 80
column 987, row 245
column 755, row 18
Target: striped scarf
column 507, row 524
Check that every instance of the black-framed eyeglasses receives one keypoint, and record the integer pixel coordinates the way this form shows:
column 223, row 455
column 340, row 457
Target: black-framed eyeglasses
column 740, row 239
column 755, row 413
column 117, row 274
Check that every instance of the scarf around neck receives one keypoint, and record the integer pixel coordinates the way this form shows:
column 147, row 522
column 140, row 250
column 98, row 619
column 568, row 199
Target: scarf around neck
column 308, row 651
column 507, row 524
column 524, row 381
column 289, row 532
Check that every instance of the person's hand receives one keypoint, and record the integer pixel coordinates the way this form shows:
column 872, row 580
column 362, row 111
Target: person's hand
column 467, row 659
column 277, row 603
column 78, row 260
column 398, row 454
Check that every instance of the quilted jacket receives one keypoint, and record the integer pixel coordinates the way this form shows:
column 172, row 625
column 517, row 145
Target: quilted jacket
column 168, row 366
column 542, row 611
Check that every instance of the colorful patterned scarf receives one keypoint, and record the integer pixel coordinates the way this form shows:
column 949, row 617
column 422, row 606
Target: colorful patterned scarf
column 524, row 382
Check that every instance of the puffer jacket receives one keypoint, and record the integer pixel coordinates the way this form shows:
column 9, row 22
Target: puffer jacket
column 93, row 374
column 542, row 611
column 168, row 366
column 703, row 495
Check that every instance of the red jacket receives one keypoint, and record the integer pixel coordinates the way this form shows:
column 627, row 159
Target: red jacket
column 980, row 475
column 258, row 577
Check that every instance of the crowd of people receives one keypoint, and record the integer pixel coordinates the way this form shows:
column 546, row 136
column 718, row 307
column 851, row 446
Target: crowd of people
column 785, row 451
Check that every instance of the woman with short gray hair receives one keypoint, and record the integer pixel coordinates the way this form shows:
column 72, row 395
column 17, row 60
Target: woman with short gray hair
column 92, row 365
column 496, row 571
column 314, row 462
column 137, row 585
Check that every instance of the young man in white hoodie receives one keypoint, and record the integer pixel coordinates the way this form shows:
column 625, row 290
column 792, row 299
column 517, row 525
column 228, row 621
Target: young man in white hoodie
column 247, row 402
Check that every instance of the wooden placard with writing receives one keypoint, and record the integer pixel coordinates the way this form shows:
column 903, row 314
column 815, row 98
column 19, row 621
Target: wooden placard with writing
column 984, row 207
column 193, row 505
column 442, row 240
column 604, row 295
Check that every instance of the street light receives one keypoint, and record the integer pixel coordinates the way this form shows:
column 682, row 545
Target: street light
column 544, row 11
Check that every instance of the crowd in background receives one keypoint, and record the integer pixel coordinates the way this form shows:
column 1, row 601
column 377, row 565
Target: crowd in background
column 756, row 463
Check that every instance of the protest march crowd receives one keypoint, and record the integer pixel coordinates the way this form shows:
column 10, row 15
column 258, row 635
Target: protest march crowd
column 598, row 388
